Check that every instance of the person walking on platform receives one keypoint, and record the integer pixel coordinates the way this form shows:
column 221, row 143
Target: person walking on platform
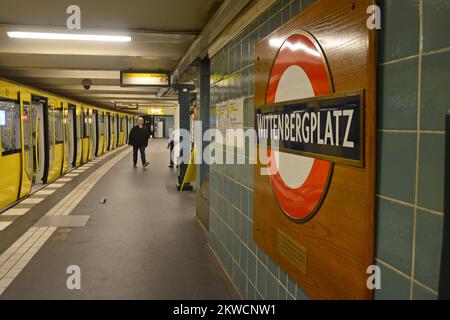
column 138, row 138
column 170, row 146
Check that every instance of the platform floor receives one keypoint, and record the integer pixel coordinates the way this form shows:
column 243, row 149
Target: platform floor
column 143, row 243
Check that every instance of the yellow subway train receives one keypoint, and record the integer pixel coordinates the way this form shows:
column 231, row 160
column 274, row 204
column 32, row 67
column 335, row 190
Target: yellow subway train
column 43, row 136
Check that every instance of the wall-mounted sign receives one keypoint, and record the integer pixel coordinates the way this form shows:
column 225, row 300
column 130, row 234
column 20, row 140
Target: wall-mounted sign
column 230, row 115
column 315, row 111
column 126, row 105
column 327, row 127
column 144, row 79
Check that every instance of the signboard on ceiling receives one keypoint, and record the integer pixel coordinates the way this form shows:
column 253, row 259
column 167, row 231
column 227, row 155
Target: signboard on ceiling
column 314, row 193
column 144, row 79
column 132, row 106
column 155, row 112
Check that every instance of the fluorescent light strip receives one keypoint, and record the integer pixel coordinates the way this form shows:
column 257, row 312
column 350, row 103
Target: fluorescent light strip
column 66, row 36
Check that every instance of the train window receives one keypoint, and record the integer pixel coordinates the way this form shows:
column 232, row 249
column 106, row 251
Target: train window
column 82, row 125
column 58, row 126
column 124, row 124
column 86, row 126
column 113, row 125
column 101, row 124
column 10, row 127
column 51, row 124
column 26, row 125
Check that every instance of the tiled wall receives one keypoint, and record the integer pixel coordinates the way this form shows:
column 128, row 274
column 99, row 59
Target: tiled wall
column 414, row 77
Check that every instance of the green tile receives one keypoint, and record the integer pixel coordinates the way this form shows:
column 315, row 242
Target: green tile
column 395, row 234
column 436, row 24
column 435, row 91
column 431, row 171
column 397, row 95
column 429, row 232
column 396, row 162
column 394, row 286
column 399, row 34
column 421, row 293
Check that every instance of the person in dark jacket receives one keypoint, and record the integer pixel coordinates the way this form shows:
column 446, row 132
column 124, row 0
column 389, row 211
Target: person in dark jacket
column 138, row 138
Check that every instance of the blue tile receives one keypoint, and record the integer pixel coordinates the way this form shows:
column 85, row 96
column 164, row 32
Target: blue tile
column 272, row 288
column 275, row 22
column 436, row 24
column 431, row 171
column 251, row 267
column 291, row 286
column 435, row 91
column 395, row 234
column 295, row 7
column 262, row 256
column 286, row 14
column 275, row 8
column 243, row 257
column 306, row 3
column 251, row 291
column 261, row 281
column 429, row 233
column 421, row 293
column 397, row 95
column 397, row 165
column 399, row 34
column 282, row 277
column 263, row 30
column 301, row 295
column 394, row 286
column 272, row 266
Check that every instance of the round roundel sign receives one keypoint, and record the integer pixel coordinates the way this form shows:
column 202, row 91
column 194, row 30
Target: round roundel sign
column 299, row 71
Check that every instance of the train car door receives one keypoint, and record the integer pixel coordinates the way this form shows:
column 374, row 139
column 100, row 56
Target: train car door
column 39, row 136
column 94, row 133
column 10, row 147
column 108, row 132
column 118, row 128
column 27, row 170
column 72, row 134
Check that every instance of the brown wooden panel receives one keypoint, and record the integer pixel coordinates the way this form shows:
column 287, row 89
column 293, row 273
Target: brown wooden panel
column 339, row 239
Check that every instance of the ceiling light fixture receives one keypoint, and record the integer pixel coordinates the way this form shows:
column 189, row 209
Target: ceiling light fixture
column 66, row 36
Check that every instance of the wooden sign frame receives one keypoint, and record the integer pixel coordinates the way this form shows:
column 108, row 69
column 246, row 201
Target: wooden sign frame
column 328, row 254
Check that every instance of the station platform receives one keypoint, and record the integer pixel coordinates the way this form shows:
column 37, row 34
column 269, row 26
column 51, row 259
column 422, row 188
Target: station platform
column 130, row 232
